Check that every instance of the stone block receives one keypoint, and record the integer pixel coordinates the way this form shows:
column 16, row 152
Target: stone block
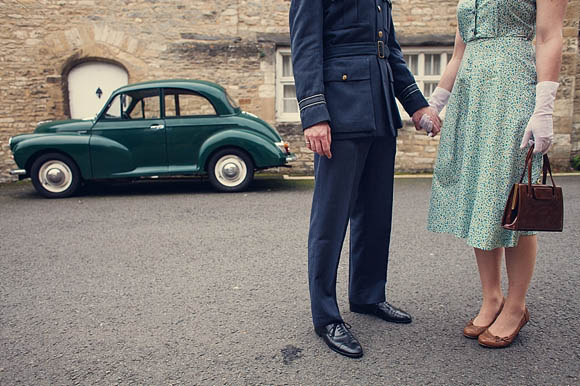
column 267, row 91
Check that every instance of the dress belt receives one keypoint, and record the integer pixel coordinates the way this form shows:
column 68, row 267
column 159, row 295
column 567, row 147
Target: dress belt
column 488, row 38
column 357, row 49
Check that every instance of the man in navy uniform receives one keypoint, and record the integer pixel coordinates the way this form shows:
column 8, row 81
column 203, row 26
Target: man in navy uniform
column 348, row 69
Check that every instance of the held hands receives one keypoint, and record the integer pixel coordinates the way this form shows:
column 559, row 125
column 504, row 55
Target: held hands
column 427, row 119
column 318, row 139
column 438, row 101
column 541, row 124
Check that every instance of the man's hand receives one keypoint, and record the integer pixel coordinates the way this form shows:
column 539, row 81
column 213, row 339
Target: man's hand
column 318, row 139
column 432, row 115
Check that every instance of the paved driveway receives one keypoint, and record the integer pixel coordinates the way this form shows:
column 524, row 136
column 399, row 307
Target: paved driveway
column 170, row 283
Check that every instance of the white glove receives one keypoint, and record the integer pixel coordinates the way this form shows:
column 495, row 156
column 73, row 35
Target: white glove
column 426, row 124
column 438, row 101
column 541, row 124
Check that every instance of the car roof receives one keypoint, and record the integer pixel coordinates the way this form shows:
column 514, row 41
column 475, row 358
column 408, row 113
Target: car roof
column 183, row 83
column 213, row 91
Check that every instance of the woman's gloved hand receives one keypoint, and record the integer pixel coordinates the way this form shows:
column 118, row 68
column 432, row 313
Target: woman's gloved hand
column 541, row 124
column 438, row 101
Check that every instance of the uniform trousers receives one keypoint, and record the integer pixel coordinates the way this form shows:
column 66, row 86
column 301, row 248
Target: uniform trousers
column 356, row 184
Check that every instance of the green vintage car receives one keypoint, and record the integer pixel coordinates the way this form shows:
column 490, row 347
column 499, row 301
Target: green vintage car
column 152, row 129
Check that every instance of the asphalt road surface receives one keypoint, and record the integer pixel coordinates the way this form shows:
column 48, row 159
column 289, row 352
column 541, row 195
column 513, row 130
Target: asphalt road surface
column 162, row 283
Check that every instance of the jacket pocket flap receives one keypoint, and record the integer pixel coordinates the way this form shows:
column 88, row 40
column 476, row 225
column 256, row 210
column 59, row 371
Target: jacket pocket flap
column 344, row 70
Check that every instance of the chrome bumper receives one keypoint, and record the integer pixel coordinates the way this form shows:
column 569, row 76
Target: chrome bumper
column 18, row 172
column 291, row 157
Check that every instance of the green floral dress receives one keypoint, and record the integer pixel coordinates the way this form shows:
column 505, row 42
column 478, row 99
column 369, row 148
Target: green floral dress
column 492, row 100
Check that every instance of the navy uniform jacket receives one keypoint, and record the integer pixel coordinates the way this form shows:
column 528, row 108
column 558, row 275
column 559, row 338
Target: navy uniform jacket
column 348, row 67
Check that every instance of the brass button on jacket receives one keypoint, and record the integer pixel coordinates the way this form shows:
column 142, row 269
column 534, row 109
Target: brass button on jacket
column 344, row 77
column 380, row 34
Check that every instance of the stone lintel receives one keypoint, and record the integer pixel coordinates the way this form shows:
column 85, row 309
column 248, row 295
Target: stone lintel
column 211, row 38
column 283, row 39
column 212, row 49
column 446, row 40
column 280, row 39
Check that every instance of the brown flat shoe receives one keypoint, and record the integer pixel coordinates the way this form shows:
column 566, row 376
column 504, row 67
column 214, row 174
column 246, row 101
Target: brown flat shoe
column 472, row 331
column 486, row 339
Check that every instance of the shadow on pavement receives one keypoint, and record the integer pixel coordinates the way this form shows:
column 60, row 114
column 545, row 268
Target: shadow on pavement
column 167, row 186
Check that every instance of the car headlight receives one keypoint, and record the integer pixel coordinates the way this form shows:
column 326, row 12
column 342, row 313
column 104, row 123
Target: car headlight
column 9, row 141
column 284, row 147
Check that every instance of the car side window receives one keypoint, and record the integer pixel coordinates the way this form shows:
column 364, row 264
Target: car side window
column 186, row 103
column 133, row 105
column 142, row 104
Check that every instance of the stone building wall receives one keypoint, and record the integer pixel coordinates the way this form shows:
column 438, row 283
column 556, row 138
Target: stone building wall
column 230, row 42
column 566, row 126
column 576, row 118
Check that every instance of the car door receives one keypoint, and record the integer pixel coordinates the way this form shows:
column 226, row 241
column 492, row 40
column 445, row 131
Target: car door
column 129, row 139
column 190, row 119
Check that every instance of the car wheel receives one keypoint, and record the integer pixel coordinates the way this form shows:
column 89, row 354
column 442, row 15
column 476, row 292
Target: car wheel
column 230, row 170
column 55, row 175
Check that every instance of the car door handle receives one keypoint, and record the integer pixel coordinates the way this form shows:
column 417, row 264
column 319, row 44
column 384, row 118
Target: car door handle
column 157, row 127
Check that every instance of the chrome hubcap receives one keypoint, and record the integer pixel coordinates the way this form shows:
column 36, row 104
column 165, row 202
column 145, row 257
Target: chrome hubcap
column 55, row 176
column 231, row 170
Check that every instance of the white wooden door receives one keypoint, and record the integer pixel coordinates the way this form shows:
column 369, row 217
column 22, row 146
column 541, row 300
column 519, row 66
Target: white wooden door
column 89, row 86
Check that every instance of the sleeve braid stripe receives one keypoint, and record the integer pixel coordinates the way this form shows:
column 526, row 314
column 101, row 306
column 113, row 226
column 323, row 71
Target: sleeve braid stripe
column 312, row 104
column 313, row 99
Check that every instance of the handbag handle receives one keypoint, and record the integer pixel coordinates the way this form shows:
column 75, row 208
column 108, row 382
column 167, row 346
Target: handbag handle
column 546, row 169
column 528, row 165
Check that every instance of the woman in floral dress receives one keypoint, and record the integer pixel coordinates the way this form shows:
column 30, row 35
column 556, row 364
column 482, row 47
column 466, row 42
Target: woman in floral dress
column 501, row 96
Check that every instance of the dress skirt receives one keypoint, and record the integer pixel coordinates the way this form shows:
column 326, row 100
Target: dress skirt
column 479, row 156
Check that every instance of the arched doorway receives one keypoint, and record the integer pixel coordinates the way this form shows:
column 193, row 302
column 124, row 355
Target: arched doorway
column 90, row 84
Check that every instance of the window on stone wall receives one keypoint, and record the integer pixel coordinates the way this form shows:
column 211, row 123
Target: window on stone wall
column 427, row 65
column 286, row 103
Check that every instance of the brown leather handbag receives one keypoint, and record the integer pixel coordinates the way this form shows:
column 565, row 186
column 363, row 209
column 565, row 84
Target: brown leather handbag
column 534, row 207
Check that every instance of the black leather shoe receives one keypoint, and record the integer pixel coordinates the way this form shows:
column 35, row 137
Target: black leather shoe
column 384, row 311
column 338, row 337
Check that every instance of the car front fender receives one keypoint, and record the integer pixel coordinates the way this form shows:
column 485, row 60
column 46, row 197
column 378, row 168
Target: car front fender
column 109, row 157
column 263, row 151
column 74, row 145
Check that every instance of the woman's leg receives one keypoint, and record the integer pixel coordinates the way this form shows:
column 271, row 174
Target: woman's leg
column 489, row 265
column 520, row 262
